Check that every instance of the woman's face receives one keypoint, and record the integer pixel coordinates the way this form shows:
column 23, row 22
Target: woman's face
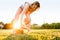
column 33, row 7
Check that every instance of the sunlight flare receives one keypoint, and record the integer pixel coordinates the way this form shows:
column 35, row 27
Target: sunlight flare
column 16, row 25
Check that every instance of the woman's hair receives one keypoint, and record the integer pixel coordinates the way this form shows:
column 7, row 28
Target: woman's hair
column 35, row 5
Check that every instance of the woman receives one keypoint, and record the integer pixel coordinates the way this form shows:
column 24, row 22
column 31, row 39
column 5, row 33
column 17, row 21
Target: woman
column 27, row 9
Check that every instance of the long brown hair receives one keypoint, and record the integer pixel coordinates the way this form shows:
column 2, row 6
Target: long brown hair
column 35, row 5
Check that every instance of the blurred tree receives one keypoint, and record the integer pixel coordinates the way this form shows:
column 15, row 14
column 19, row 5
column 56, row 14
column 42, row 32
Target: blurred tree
column 8, row 26
column 35, row 26
column 45, row 26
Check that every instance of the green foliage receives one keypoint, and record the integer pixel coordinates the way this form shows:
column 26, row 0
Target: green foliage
column 20, row 37
column 35, row 26
column 46, row 26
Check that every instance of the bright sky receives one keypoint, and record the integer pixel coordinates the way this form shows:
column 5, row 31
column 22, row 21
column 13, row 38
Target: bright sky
column 49, row 11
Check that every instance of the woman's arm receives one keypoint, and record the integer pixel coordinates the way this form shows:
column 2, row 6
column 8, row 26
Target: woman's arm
column 20, row 9
column 25, row 9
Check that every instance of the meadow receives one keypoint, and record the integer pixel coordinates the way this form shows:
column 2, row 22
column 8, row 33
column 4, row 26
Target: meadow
column 41, row 34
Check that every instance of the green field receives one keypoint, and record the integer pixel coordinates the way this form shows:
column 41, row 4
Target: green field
column 42, row 34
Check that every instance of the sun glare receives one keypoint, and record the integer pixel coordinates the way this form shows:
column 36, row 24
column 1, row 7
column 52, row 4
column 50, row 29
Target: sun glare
column 16, row 25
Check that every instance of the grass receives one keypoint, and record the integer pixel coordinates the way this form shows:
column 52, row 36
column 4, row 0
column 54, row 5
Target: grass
column 42, row 34
column 4, row 33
